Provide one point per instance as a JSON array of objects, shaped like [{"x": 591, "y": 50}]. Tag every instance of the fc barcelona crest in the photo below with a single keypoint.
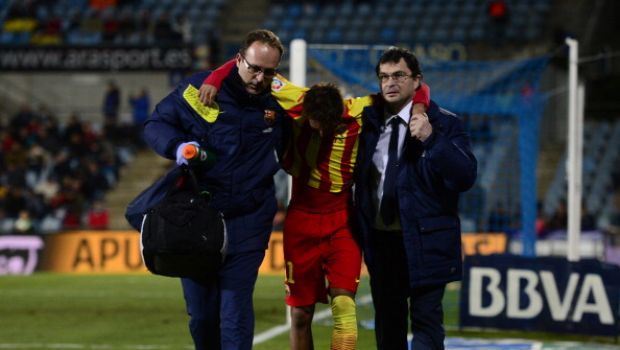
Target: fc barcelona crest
[{"x": 270, "y": 116}]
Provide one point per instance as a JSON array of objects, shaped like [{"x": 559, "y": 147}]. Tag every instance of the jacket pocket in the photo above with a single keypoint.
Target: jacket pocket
[{"x": 440, "y": 239}]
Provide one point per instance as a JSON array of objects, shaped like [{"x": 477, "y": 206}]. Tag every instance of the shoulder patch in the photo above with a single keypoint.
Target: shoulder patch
[
  {"x": 190, "y": 95},
  {"x": 276, "y": 84}
]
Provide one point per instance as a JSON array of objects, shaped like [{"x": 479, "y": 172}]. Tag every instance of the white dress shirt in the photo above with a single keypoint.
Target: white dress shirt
[{"x": 380, "y": 158}]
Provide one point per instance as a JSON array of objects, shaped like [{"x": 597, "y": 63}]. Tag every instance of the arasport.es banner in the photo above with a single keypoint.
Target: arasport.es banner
[{"x": 72, "y": 58}]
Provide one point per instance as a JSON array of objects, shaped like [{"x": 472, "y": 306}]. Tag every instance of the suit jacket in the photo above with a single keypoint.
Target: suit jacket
[{"x": 431, "y": 176}]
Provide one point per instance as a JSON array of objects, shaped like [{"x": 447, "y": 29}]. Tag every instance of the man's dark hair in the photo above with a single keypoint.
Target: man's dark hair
[
  {"x": 323, "y": 103},
  {"x": 394, "y": 54},
  {"x": 265, "y": 36}
]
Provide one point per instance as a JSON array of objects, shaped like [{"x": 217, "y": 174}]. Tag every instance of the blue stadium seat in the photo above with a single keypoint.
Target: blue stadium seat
[
  {"x": 285, "y": 36},
  {"x": 381, "y": 10},
  {"x": 347, "y": 9},
  {"x": 422, "y": 35},
  {"x": 288, "y": 23},
  {"x": 440, "y": 35},
  {"x": 388, "y": 35},
  {"x": 321, "y": 23},
  {"x": 276, "y": 11},
  {"x": 294, "y": 10},
  {"x": 310, "y": 9},
  {"x": 299, "y": 33},
  {"x": 364, "y": 10},
  {"x": 459, "y": 34},
  {"x": 375, "y": 23},
  {"x": 334, "y": 36},
  {"x": 405, "y": 35},
  {"x": 316, "y": 36},
  {"x": 329, "y": 11},
  {"x": 352, "y": 36},
  {"x": 271, "y": 24},
  {"x": 6, "y": 38}
]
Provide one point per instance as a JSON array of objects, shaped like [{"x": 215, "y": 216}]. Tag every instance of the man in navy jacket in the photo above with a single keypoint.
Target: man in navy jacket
[
  {"x": 241, "y": 130},
  {"x": 408, "y": 206}
]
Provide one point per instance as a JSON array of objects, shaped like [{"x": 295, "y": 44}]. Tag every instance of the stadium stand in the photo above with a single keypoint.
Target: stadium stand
[
  {"x": 418, "y": 21},
  {"x": 52, "y": 173},
  {"x": 491, "y": 205},
  {"x": 600, "y": 163},
  {"x": 117, "y": 22}
]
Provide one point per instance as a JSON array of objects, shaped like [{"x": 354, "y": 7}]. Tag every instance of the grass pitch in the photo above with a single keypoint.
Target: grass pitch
[{"x": 56, "y": 311}]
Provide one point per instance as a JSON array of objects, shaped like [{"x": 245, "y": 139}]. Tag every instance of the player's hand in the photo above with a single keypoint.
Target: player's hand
[
  {"x": 180, "y": 158},
  {"x": 207, "y": 94},
  {"x": 420, "y": 127}
]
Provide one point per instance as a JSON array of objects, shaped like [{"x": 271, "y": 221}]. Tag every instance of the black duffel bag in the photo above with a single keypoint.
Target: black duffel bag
[{"x": 182, "y": 236}]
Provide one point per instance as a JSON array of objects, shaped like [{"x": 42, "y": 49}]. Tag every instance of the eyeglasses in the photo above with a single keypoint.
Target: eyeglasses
[
  {"x": 399, "y": 76},
  {"x": 256, "y": 70}
]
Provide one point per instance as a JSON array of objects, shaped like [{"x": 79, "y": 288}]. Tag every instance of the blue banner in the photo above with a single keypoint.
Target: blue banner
[{"x": 540, "y": 294}]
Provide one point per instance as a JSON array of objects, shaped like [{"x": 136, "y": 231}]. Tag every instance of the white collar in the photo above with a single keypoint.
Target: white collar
[{"x": 404, "y": 114}]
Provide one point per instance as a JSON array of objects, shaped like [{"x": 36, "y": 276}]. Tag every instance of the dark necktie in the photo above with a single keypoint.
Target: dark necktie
[{"x": 388, "y": 202}]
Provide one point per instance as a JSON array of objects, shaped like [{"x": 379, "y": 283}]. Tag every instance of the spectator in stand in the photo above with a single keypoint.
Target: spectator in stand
[
  {"x": 163, "y": 31},
  {"x": 498, "y": 14},
  {"x": 111, "y": 27},
  {"x": 34, "y": 154},
  {"x": 588, "y": 222},
  {"x": 94, "y": 182},
  {"x": 141, "y": 108},
  {"x": 14, "y": 202},
  {"x": 98, "y": 217},
  {"x": 23, "y": 223},
  {"x": 101, "y": 4},
  {"x": 111, "y": 103},
  {"x": 183, "y": 26},
  {"x": 126, "y": 27},
  {"x": 144, "y": 28},
  {"x": 559, "y": 219},
  {"x": 611, "y": 222},
  {"x": 214, "y": 41}
]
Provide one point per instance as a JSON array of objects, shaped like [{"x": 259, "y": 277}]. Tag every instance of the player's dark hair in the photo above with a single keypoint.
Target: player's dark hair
[
  {"x": 394, "y": 54},
  {"x": 264, "y": 36},
  {"x": 323, "y": 103}
]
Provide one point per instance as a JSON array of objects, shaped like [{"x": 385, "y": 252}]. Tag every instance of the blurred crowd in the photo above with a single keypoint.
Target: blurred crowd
[
  {"x": 102, "y": 22},
  {"x": 54, "y": 176}
]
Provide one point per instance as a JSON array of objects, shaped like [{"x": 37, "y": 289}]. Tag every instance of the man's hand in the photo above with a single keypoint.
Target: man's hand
[
  {"x": 180, "y": 158},
  {"x": 207, "y": 94},
  {"x": 420, "y": 127}
]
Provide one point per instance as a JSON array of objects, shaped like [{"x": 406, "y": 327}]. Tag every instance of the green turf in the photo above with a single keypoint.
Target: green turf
[{"x": 46, "y": 311}]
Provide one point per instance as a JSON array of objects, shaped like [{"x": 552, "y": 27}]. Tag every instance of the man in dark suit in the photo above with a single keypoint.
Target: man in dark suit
[{"x": 410, "y": 173}]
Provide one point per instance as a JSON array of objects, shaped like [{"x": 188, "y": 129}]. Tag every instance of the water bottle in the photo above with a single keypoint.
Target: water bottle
[{"x": 198, "y": 156}]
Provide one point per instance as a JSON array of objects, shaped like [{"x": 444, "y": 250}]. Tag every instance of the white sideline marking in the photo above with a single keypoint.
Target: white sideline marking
[{"x": 319, "y": 316}]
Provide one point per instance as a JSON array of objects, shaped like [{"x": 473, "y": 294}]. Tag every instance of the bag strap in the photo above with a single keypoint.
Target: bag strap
[
  {"x": 189, "y": 179},
  {"x": 192, "y": 178}
]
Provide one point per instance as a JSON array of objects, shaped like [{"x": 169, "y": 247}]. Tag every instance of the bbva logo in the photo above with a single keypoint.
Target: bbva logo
[{"x": 582, "y": 294}]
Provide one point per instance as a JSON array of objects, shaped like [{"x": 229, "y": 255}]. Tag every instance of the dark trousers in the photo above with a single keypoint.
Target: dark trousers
[
  {"x": 220, "y": 307},
  {"x": 395, "y": 301}
]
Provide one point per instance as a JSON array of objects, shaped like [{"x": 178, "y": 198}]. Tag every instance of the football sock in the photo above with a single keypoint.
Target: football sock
[{"x": 344, "y": 334}]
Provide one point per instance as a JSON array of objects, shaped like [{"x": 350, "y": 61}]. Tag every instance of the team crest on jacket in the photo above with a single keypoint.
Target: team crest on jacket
[{"x": 270, "y": 116}]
